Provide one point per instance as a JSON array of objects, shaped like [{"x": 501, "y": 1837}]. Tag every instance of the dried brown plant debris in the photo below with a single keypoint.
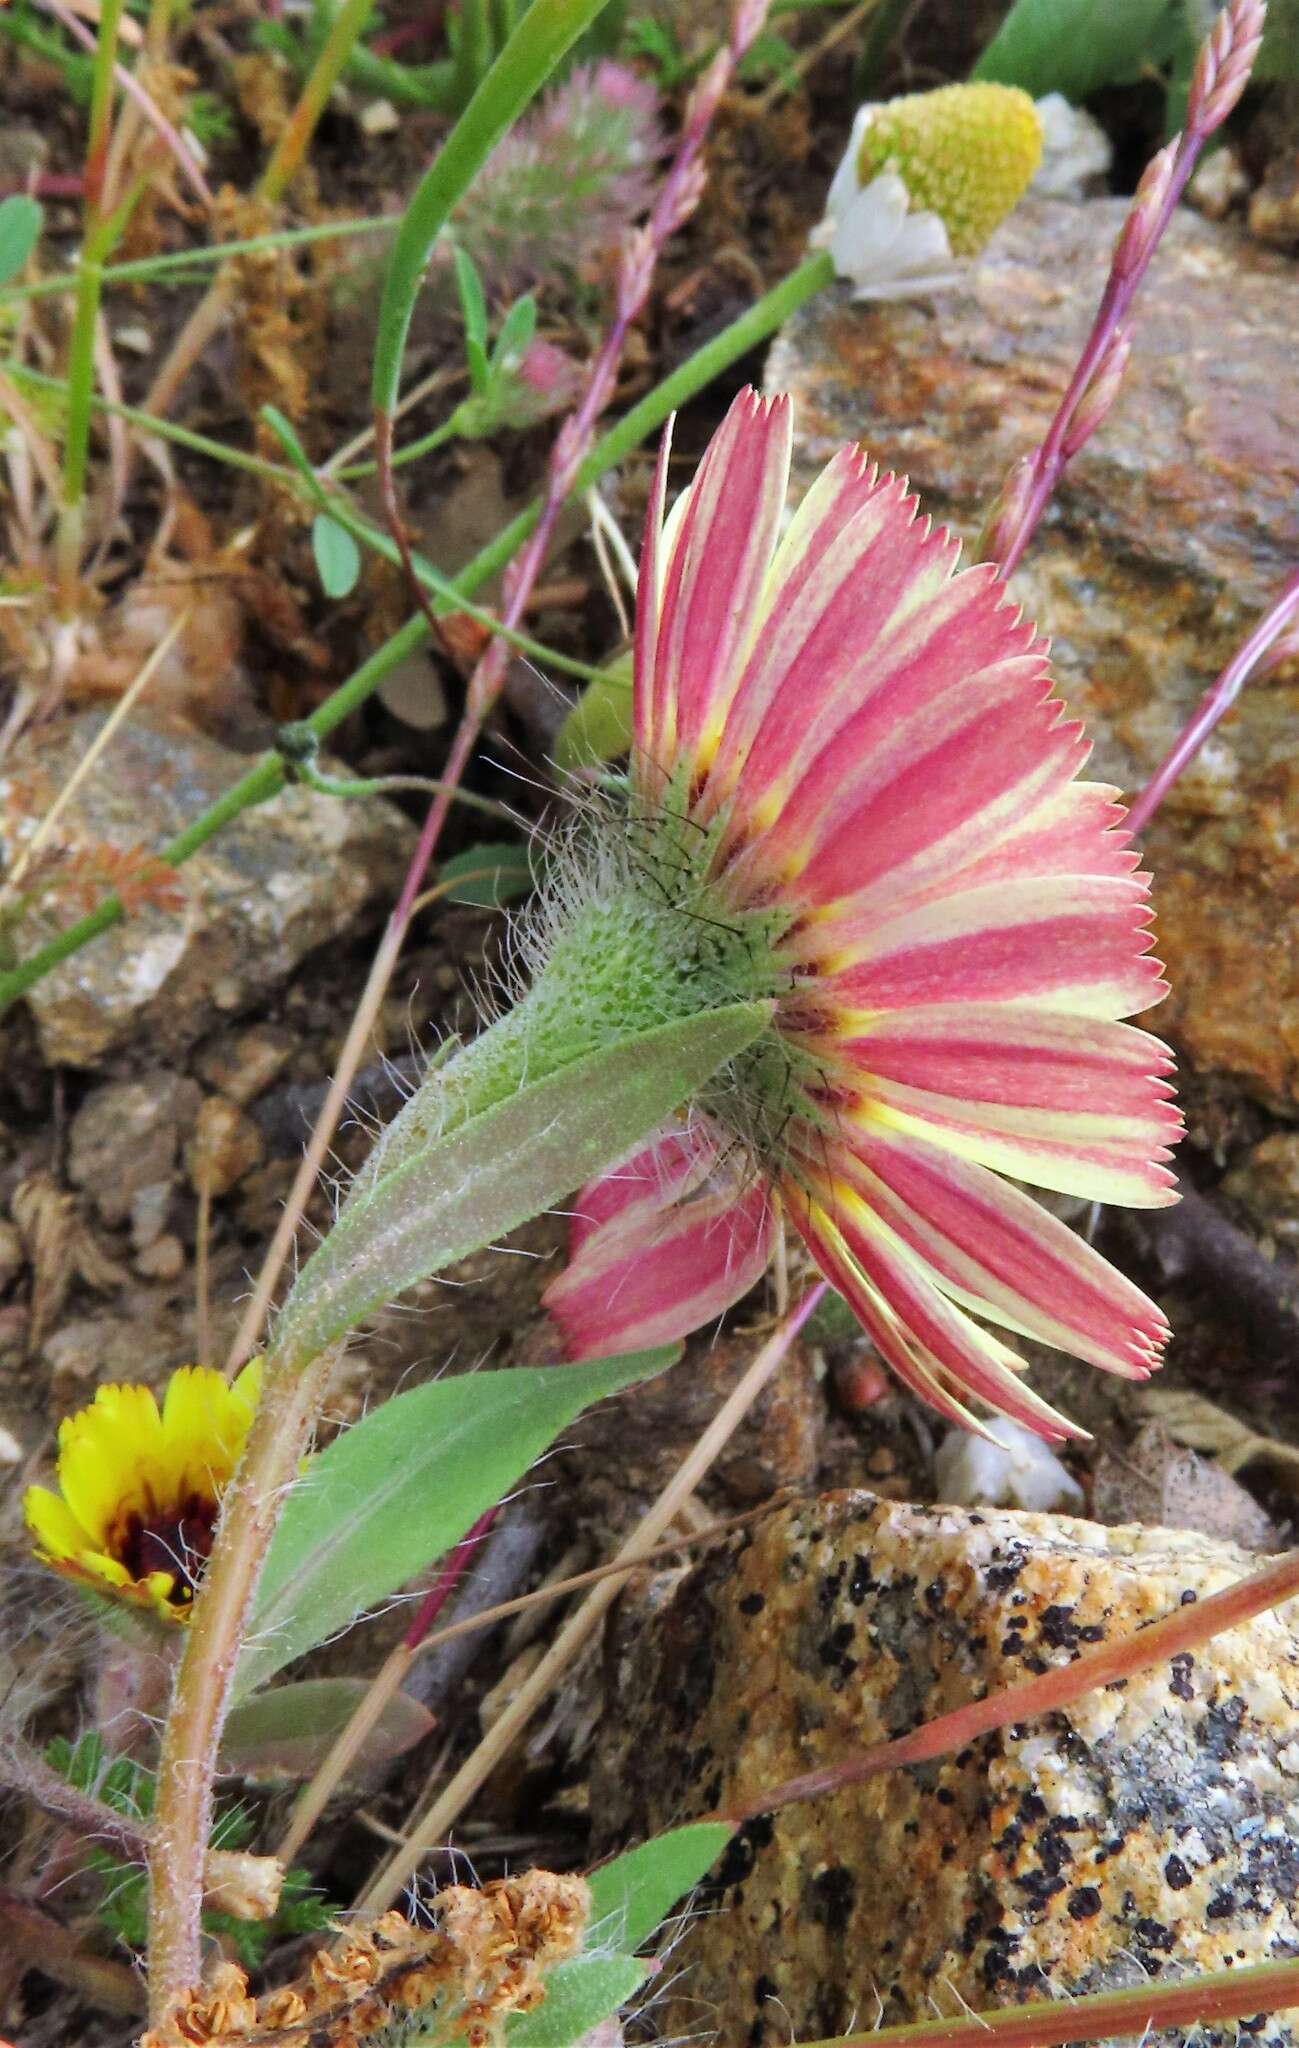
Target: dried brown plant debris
[
  {"x": 280, "y": 328},
  {"x": 483, "y": 1955}
]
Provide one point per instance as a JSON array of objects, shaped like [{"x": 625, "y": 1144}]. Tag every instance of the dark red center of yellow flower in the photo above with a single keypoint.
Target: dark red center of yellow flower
[{"x": 176, "y": 1540}]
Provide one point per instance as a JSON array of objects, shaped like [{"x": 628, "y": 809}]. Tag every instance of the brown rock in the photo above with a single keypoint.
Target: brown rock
[
  {"x": 1168, "y": 537},
  {"x": 279, "y": 880},
  {"x": 1155, "y": 1480},
  {"x": 1147, "y": 1830},
  {"x": 225, "y": 1146},
  {"x": 127, "y": 1136},
  {"x": 1266, "y": 1183}
]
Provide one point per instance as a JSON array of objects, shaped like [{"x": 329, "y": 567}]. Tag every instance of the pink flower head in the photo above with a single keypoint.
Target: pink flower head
[{"x": 851, "y": 750}]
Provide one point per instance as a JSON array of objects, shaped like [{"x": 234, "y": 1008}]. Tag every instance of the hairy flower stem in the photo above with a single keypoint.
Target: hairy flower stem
[
  {"x": 1221, "y": 75},
  {"x": 291, "y": 1393}
]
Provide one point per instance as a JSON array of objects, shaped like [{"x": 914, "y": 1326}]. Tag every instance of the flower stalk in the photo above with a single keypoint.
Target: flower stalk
[
  {"x": 1271, "y": 630},
  {"x": 178, "y": 1847},
  {"x": 1221, "y": 74}
]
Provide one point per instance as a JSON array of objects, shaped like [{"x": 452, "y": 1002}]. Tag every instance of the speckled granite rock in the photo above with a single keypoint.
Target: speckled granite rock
[
  {"x": 1171, "y": 533},
  {"x": 280, "y": 880},
  {"x": 1153, "y": 1828}
]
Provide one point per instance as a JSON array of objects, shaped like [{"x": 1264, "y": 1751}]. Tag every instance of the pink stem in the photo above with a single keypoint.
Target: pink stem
[
  {"x": 1181, "y": 2006},
  {"x": 48, "y": 185},
  {"x": 677, "y": 199},
  {"x": 1221, "y": 74},
  {"x": 678, "y": 196},
  {"x": 1214, "y": 704},
  {"x": 1185, "y": 1628},
  {"x": 447, "y": 1580}
]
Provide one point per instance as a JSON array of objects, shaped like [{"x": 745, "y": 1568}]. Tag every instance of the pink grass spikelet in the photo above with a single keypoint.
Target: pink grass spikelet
[
  {"x": 1096, "y": 401},
  {"x": 850, "y": 765},
  {"x": 1224, "y": 64}
]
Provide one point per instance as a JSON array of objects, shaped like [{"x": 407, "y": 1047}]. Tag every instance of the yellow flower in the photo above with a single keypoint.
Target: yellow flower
[
  {"x": 139, "y": 1491},
  {"x": 964, "y": 152},
  {"x": 924, "y": 181}
]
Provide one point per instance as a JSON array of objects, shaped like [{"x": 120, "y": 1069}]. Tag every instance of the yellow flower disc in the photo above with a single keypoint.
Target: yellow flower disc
[{"x": 964, "y": 152}]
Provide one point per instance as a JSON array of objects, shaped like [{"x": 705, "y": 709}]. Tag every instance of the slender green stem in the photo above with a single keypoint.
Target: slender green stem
[
  {"x": 473, "y": 49},
  {"x": 182, "y": 262},
  {"x": 344, "y": 34},
  {"x": 546, "y": 32},
  {"x": 306, "y": 484},
  {"x": 266, "y": 777},
  {"x": 98, "y": 238}
]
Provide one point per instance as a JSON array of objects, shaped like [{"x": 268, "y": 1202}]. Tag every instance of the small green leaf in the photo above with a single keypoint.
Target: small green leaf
[
  {"x": 1077, "y": 46},
  {"x": 453, "y": 1193},
  {"x": 288, "y": 1731},
  {"x": 500, "y": 871},
  {"x": 474, "y": 306},
  {"x": 631, "y": 1896},
  {"x": 578, "y": 1996},
  {"x": 286, "y": 435},
  {"x": 517, "y": 330},
  {"x": 400, "y": 1488},
  {"x": 599, "y": 726},
  {"x": 21, "y": 221},
  {"x": 338, "y": 558},
  {"x": 480, "y": 375}
]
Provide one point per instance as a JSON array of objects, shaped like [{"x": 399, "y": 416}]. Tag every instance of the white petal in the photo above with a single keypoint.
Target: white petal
[
  {"x": 846, "y": 183},
  {"x": 1075, "y": 149}
]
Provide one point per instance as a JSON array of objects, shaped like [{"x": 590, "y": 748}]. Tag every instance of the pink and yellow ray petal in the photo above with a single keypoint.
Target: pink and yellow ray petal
[
  {"x": 1082, "y": 949},
  {"x": 1000, "y": 1254},
  {"x": 716, "y": 552},
  {"x": 680, "y": 1238}
]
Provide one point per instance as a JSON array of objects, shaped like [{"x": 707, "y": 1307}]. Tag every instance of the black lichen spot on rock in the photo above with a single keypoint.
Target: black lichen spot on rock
[
  {"x": 833, "y": 1653},
  {"x": 828, "y": 1590},
  {"x": 740, "y": 1854},
  {"x": 1085, "y": 1903},
  {"x": 1058, "y": 1627},
  {"x": 862, "y": 1581},
  {"x": 1219, "y": 1731},
  {"x": 1222, "y": 1905},
  {"x": 1039, "y": 1887},
  {"x": 831, "y": 1897},
  {"x": 1154, "y": 1934},
  {"x": 999, "y": 1578},
  {"x": 1180, "y": 1683}
]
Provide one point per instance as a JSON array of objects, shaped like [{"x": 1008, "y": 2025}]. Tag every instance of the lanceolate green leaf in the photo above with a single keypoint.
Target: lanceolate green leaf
[
  {"x": 21, "y": 219},
  {"x": 456, "y": 1193},
  {"x": 578, "y": 1996},
  {"x": 400, "y": 1488},
  {"x": 289, "y": 1730},
  {"x": 547, "y": 31},
  {"x": 634, "y": 1893}
]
